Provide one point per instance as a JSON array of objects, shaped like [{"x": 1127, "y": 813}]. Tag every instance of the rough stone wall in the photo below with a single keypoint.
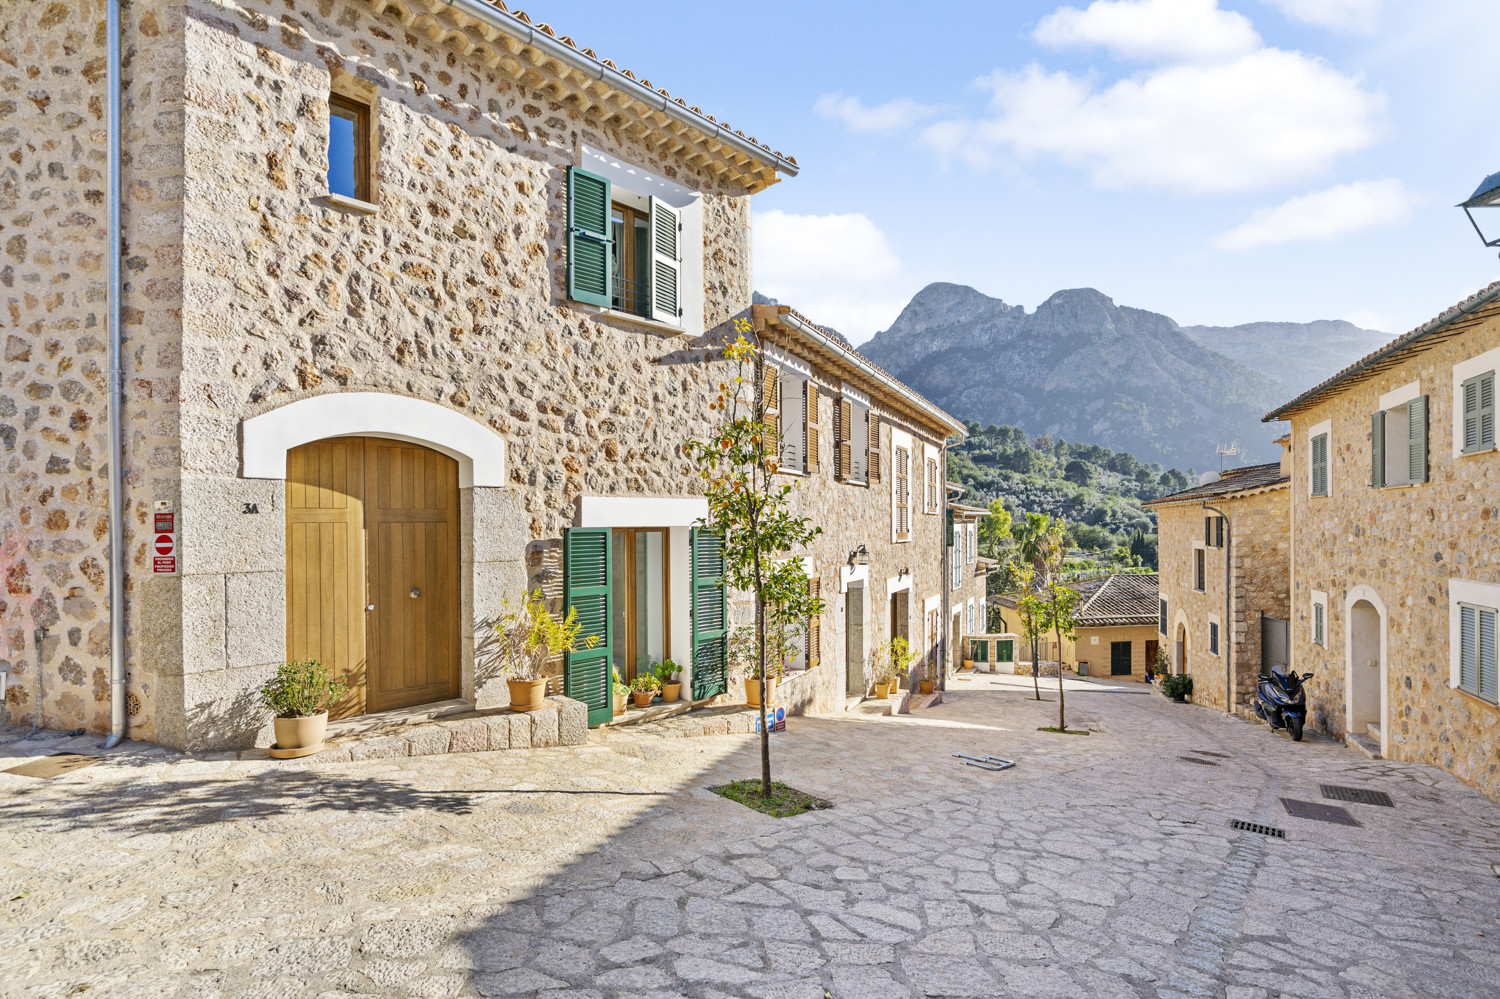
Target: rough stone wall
[
  {"x": 1260, "y": 585},
  {"x": 53, "y": 281},
  {"x": 1406, "y": 544},
  {"x": 1097, "y": 653}
]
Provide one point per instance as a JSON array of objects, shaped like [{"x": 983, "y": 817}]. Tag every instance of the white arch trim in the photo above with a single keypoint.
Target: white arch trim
[
  {"x": 1356, "y": 594},
  {"x": 265, "y": 439},
  {"x": 1180, "y": 622}
]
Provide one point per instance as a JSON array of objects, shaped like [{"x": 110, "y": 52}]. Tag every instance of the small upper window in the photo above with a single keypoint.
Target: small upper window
[
  {"x": 1398, "y": 444},
  {"x": 1200, "y": 570},
  {"x": 349, "y": 148},
  {"x": 1479, "y": 412},
  {"x": 631, "y": 284},
  {"x": 1319, "y": 469},
  {"x": 1213, "y": 637},
  {"x": 1477, "y": 655}
]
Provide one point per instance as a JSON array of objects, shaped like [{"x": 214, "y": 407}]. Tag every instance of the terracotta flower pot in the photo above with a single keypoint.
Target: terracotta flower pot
[
  {"x": 619, "y": 705},
  {"x": 527, "y": 695},
  {"x": 925, "y": 686},
  {"x": 670, "y": 692},
  {"x": 882, "y": 691},
  {"x": 303, "y": 736},
  {"x": 752, "y": 692},
  {"x": 642, "y": 698},
  {"x": 968, "y": 664}
]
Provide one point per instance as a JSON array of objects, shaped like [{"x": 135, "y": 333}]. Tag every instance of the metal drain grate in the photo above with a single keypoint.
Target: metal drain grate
[
  {"x": 1194, "y": 759},
  {"x": 1210, "y": 752},
  {"x": 1257, "y": 828},
  {"x": 1318, "y": 812},
  {"x": 1358, "y": 795}
]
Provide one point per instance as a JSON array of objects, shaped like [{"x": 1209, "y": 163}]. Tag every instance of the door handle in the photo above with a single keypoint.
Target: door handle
[
  {"x": 415, "y": 593},
  {"x": 370, "y": 608}
]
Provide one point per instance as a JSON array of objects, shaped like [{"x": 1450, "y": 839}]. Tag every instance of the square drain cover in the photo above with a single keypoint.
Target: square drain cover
[
  {"x": 1256, "y": 827},
  {"x": 1318, "y": 812},
  {"x": 1194, "y": 759},
  {"x": 54, "y": 765},
  {"x": 1358, "y": 795}
]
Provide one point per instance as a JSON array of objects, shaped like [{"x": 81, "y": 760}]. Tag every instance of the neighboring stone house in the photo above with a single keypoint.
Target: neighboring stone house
[
  {"x": 968, "y": 608},
  {"x": 420, "y": 303},
  {"x": 1117, "y": 625},
  {"x": 1395, "y": 536},
  {"x": 1239, "y": 516}
]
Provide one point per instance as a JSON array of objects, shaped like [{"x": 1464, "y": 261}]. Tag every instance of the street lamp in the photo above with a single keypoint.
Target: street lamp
[{"x": 1486, "y": 195}]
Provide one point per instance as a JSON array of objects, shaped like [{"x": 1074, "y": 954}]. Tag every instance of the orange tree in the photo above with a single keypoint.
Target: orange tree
[{"x": 749, "y": 508}]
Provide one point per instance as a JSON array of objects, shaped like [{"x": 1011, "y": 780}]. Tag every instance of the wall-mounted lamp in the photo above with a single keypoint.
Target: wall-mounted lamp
[
  {"x": 859, "y": 556},
  {"x": 904, "y": 571}
]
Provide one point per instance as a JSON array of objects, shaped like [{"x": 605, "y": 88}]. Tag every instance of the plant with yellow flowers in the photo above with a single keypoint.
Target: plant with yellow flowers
[{"x": 748, "y": 506}]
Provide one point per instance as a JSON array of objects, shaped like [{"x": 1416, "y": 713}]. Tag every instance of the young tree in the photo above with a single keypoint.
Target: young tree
[
  {"x": 1060, "y": 603},
  {"x": 1029, "y": 608},
  {"x": 748, "y": 507}
]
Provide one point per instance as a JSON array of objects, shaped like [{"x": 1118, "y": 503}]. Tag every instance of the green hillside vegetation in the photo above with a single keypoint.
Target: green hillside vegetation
[{"x": 1096, "y": 490}]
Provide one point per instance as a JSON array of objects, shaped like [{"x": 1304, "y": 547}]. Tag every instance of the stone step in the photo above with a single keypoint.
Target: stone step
[
  {"x": 873, "y": 707},
  {"x": 1363, "y": 743},
  {"x": 1373, "y": 730}
]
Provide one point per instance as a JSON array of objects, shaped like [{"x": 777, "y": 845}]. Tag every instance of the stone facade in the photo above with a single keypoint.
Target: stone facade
[
  {"x": 1392, "y": 560},
  {"x": 249, "y": 289},
  {"x": 1259, "y": 546}
]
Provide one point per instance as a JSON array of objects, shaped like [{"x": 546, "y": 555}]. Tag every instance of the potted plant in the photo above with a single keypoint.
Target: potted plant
[
  {"x": 530, "y": 639},
  {"x": 890, "y": 661},
  {"x": 619, "y": 690},
  {"x": 1177, "y": 686},
  {"x": 743, "y": 663},
  {"x": 671, "y": 680},
  {"x": 299, "y": 696},
  {"x": 643, "y": 689},
  {"x": 1160, "y": 666},
  {"x": 927, "y": 677}
]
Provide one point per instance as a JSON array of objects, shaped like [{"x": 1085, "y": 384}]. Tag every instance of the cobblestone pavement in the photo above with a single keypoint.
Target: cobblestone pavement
[{"x": 1100, "y": 866}]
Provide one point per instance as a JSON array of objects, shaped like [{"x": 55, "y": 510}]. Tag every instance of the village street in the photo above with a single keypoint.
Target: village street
[{"x": 1099, "y": 866}]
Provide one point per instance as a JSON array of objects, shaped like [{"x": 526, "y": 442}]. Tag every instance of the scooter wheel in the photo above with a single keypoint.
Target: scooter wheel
[{"x": 1294, "y": 726}]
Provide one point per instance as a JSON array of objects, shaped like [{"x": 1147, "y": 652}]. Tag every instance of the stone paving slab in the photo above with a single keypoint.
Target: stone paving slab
[{"x": 1099, "y": 866}]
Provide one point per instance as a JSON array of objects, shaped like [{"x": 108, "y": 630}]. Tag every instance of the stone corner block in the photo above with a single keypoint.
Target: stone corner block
[
  {"x": 572, "y": 721},
  {"x": 468, "y": 736},
  {"x": 498, "y": 729},
  {"x": 544, "y": 726},
  {"x": 520, "y": 730}
]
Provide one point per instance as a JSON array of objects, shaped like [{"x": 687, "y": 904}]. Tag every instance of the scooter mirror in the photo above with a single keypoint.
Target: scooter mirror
[
  {"x": 1265, "y": 677},
  {"x": 1307, "y": 676}
]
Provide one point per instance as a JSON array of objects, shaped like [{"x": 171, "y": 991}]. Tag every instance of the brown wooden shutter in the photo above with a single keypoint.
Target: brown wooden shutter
[
  {"x": 873, "y": 446},
  {"x": 812, "y": 428},
  {"x": 843, "y": 455},
  {"x": 770, "y": 388},
  {"x": 903, "y": 494},
  {"x": 814, "y": 626}
]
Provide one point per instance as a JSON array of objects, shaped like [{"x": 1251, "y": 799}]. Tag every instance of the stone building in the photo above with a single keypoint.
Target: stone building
[
  {"x": 1395, "y": 520},
  {"x": 1117, "y": 626},
  {"x": 419, "y": 302},
  {"x": 968, "y": 605},
  {"x": 1239, "y": 517}
]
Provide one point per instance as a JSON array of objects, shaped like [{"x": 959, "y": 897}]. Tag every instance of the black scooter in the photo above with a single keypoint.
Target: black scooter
[{"x": 1281, "y": 701}]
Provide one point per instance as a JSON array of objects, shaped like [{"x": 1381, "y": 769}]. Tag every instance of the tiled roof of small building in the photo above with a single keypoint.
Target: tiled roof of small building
[
  {"x": 1231, "y": 481},
  {"x": 1125, "y": 598},
  {"x": 1376, "y": 361}
]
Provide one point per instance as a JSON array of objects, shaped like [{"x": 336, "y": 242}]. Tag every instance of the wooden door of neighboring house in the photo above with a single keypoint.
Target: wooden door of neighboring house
[
  {"x": 372, "y": 569},
  {"x": 1119, "y": 658},
  {"x": 1152, "y": 646}
]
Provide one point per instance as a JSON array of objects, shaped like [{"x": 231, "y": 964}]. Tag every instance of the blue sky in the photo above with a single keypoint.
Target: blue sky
[{"x": 1221, "y": 161}]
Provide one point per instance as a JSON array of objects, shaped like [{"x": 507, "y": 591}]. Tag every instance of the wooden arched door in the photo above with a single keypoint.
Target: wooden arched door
[{"x": 372, "y": 555}]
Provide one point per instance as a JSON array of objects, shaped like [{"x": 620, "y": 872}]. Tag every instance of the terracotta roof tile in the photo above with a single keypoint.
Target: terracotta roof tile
[
  {"x": 1125, "y": 598},
  {"x": 1238, "y": 480}
]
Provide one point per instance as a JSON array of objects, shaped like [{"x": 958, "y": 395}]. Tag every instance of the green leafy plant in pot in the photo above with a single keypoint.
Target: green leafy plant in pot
[
  {"x": 299, "y": 696},
  {"x": 620, "y": 691},
  {"x": 643, "y": 689},
  {"x": 529, "y": 640},
  {"x": 891, "y": 661},
  {"x": 670, "y": 675},
  {"x": 1177, "y": 686}
]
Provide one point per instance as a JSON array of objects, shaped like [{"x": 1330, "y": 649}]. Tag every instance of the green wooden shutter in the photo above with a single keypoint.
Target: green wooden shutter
[
  {"x": 1005, "y": 650},
  {"x": 1468, "y": 646},
  {"x": 586, "y": 572},
  {"x": 950, "y": 527},
  {"x": 1487, "y": 663},
  {"x": 710, "y": 616},
  {"x": 979, "y": 650},
  {"x": 1320, "y": 465},
  {"x": 1416, "y": 440},
  {"x": 1479, "y": 412},
  {"x": 1377, "y": 449},
  {"x": 590, "y": 247},
  {"x": 666, "y": 263},
  {"x": 1318, "y": 624}
]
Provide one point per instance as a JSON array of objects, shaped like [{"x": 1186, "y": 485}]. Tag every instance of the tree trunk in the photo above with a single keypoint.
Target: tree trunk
[
  {"x": 1062, "y": 724},
  {"x": 765, "y": 731},
  {"x": 1036, "y": 670}
]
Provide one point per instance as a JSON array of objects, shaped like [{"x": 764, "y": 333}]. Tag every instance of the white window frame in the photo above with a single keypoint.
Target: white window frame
[
  {"x": 973, "y": 543},
  {"x": 1213, "y": 624},
  {"x": 1462, "y": 372},
  {"x": 1319, "y": 600},
  {"x": 1326, "y": 427},
  {"x": 1473, "y": 594}
]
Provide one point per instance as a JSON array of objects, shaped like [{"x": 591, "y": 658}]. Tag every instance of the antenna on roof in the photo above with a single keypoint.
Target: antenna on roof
[{"x": 1225, "y": 452}]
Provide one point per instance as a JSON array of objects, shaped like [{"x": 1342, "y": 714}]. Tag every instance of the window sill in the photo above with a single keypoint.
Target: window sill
[
  {"x": 1318, "y": 495},
  {"x": 855, "y": 482},
  {"x": 783, "y": 470},
  {"x": 1401, "y": 485},
  {"x": 1475, "y": 698},
  {"x": 1473, "y": 454},
  {"x": 629, "y": 317},
  {"x": 354, "y": 206}
]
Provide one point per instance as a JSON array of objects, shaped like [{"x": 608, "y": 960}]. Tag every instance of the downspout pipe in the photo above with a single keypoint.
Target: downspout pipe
[
  {"x": 116, "y": 428},
  {"x": 1226, "y": 644}
]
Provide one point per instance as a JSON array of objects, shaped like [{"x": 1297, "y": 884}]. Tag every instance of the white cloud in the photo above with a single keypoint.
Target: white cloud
[
  {"x": 838, "y": 270},
  {"x": 1264, "y": 118},
  {"x": 1324, "y": 215},
  {"x": 1151, "y": 29},
  {"x": 1370, "y": 319},
  {"x": 1354, "y": 15},
  {"x": 892, "y": 116}
]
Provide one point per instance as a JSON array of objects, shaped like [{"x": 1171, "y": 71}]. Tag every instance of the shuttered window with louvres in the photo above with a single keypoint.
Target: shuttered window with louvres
[
  {"x": 586, "y": 589},
  {"x": 903, "y": 494},
  {"x": 814, "y": 626},
  {"x": 872, "y": 472},
  {"x": 710, "y": 616},
  {"x": 1416, "y": 440},
  {"x": 1477, "y": 651},
  {"x": 666, "y": 263},
  {"x": 1377, "y": 449},
  {"x": 1479, "y": 412},
  {"x": 1320, "y": 465},
  {"x": 589, "y": 246},
  {"x": 811, "y": 443}
]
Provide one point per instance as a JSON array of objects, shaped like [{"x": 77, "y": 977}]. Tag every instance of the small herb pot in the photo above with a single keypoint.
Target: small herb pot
[
  {"x": 642, "y": 698},
  {"x": 882, "y": 691},
  {"x": 670, "y": 692}
]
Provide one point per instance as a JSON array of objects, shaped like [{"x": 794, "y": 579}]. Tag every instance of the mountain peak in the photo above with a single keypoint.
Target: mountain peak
[{"x": 945, "y": 304}]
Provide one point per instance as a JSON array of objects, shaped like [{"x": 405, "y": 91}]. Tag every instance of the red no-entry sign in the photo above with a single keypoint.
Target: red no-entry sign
[{"x": 164, "y": 540}]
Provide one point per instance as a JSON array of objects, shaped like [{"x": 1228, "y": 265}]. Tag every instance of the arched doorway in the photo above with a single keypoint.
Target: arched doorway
[
  {"x": 372, "y": 564},
  {"x": 1180, "y": 652},
  {"x": 1364, "y": 668}
]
